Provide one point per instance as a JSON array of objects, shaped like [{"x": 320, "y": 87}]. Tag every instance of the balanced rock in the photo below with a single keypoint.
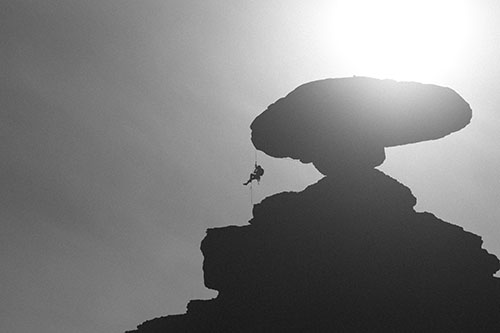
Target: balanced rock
[
  {"x": 346, "y": 123},
  {"x": 349, "y": 253}
]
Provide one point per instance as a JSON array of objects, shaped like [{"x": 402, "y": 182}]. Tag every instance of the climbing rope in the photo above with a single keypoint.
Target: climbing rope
[{"x": 251, "y": 194}]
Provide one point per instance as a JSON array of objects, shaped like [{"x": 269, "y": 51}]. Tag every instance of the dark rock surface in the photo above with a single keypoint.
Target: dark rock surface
[
  {"x": 346, "y": 123},
  {"x": 348, "y": 253}
]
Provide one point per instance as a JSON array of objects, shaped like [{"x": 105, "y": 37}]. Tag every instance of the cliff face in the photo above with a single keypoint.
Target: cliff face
[{"x": 348, "y": 253}]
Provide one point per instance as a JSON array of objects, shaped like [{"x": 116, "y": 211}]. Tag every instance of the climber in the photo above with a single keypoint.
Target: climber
[{"x": 256, "y": 174}]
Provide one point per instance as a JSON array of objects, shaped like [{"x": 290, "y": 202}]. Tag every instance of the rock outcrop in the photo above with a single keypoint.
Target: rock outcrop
[{"x": 349, "y": 253}]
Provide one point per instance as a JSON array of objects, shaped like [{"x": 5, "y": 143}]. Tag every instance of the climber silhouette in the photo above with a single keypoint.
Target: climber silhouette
[{"x": 255, "y": 175}]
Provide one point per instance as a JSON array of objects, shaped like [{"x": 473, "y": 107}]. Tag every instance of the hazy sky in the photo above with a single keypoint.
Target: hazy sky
[{"x": 125, "y": 134}]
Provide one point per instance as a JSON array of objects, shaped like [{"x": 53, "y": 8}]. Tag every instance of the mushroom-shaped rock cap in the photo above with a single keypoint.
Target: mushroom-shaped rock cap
[{"x": 341, "y": 124}]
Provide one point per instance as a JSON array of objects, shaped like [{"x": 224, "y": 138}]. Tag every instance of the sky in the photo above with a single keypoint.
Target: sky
[{"x": 125, "y": 135}]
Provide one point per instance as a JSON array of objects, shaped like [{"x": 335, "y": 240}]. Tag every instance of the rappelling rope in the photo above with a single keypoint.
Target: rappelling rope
[{"x": 251, "y": 194}]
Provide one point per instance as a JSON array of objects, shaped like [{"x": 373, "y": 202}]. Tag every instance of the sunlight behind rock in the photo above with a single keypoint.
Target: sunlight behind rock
[{"x": 401, "y": 39}]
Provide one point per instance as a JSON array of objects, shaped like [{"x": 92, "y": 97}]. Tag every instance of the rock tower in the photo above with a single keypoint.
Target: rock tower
[{"x": 349, "y": 253}]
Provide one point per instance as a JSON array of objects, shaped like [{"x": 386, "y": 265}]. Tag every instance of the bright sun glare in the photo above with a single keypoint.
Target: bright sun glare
[{"x": 401, "y": 39}]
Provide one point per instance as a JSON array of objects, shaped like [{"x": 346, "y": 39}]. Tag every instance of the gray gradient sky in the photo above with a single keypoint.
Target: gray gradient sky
[{"x": 125, "y": 134}]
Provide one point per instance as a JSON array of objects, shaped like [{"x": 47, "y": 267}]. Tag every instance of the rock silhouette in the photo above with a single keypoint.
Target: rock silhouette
[{"x": 349, "y": 253}]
